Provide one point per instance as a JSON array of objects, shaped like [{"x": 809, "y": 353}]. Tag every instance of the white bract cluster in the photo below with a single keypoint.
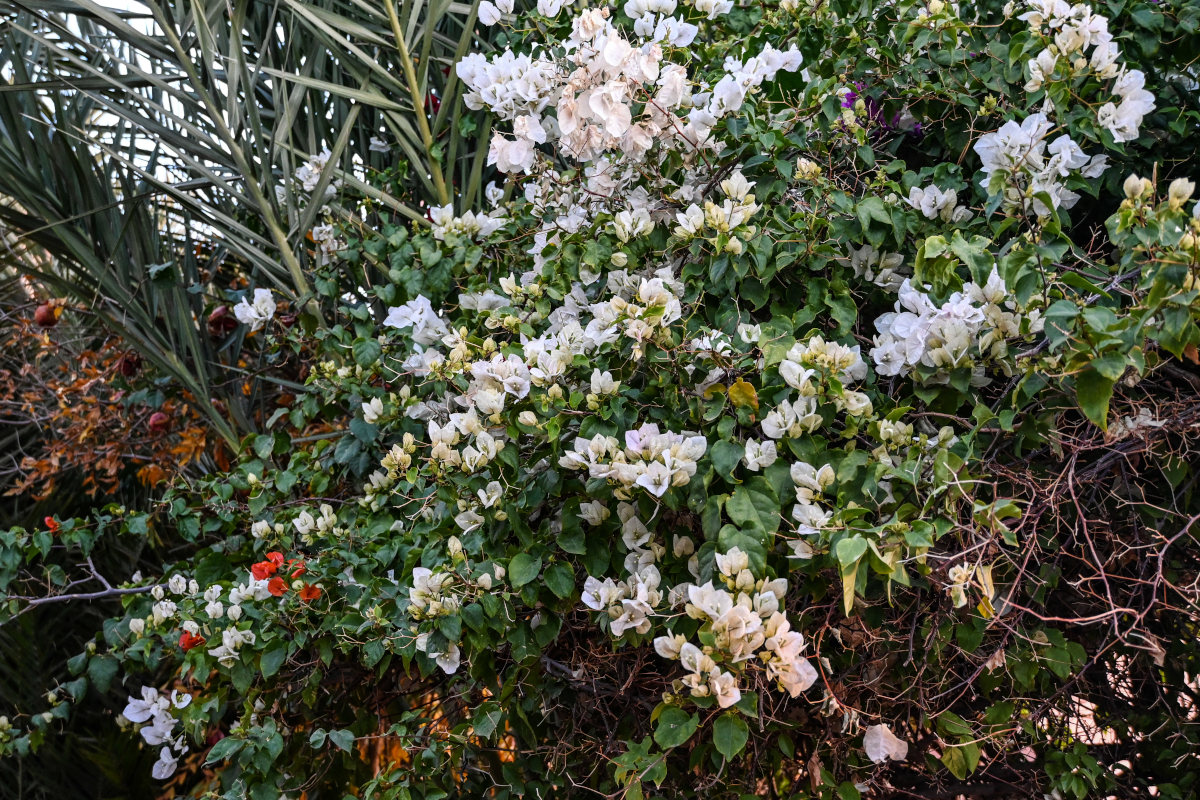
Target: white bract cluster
[
  {"x": 935, "y": 203},
  {"x": 608, "y": 101},
  {"x": 885, "y": 270},
  {"x": 970, "y": 326},
  {"x": 650, "y": 460},
  {"x": 155, "y": 709},
  {"x": 1069, "y": 32},
  {"x": 1018, "y": 162},
  {"x": 1025, "y": 168},
  {"x": 808, "y": 368},
  {"x": 256, "y": 313},
  {"x": 746, "y": 625},
  {"x": 629, "y": 604},
  {"x": 470, "y": 225}
]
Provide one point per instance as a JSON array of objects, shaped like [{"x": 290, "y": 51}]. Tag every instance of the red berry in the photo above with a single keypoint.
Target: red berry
[{"x": 45, "y": 316}]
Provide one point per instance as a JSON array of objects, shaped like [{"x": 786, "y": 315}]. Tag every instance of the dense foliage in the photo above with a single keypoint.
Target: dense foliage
[{"x": 806, "y": 412}]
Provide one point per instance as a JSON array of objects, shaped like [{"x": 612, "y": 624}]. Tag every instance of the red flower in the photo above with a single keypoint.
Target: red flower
[
  {"x": 277, "y": 586},
  {"x": 300, "y": 569},
  {"x": 51, "y": 524},
  {"x": 310, "y": 592},
  {"x": 265, "y": 569},
  {"x": 187, "y": 641}
]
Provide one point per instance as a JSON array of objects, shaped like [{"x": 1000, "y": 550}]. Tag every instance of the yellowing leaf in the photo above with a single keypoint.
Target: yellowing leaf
[{"x": 743, "y": 395}]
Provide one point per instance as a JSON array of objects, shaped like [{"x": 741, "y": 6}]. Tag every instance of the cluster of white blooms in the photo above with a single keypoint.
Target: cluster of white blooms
[
  {"x": 965, "y": 575},
  {"x": 327, "y": 242},
  {"x": 651, "y": 460},
  {"x": 606, "y": 100},
  {"x": 309, "y": 526},
  {"x": 308, "y": 175},
  {"x": 1069, "y": 32},
  {"x": 728, "y": 219},
  {"x": 1016, "y": 164},
  {"x": 746, "y": 625},
  {"x": 155, "y": 709},
  {"x": 935, "y": 203},
  {"x": 473, "y": 457},
  {"x": 232, "y": 639},
  {"x": 807, "y": 368},
  {"x": 428, "y": 329},
  {"x": 656, "y": 308},
  {"x": 470, "y": 225},
  {"x": 428, "y": 596},
  {"x": 885, "y": 270},
  {"x": 971, "y": 324},
  {"x": 810, "y": 516},
  {"x": 257, "y": 313},
  {"x": 628, "y": 603}
]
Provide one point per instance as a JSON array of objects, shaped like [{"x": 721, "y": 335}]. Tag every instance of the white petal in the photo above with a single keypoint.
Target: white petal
[{"x": 881, "y": 744}]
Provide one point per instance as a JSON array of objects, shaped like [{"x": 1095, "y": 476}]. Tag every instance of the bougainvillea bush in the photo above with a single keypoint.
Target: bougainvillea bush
[{"x": 807, "y": 412}]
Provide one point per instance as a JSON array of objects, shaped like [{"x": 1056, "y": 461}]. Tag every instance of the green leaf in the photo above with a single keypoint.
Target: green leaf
[
  {"x": 272, "y": 660},
  {"x": 223, "y": 749},
  {"x": 561, "y": 579},
  {"x": 961, "y": 760},
  {"x": 264, "y": 444},
  {"x": 367, "y": 352},
  {"x": 725, "y": 457},
  {"x": 1111, "y": 366},
  {"x": 753, "y": 506},
  {"x": 675, "y": 727},
  {"x": 523, "y": 568},
  {"x": 1093, "y": 391},
  {"x": 343, "y": 739},
  {"x": 730, "y": 734},
  {"x": 487, "y": 719},
  {"x": 850, "y": 550},
  {"x": 102, "y": 669}
]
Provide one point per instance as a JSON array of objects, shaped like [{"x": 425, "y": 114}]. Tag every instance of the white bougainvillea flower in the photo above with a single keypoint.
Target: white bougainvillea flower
[
  {"x": 257, "y": 313},
  {"x": 165, "y": 766},
  {"x": 883, "y": 745},
  {"x": 141, "y": 709}
]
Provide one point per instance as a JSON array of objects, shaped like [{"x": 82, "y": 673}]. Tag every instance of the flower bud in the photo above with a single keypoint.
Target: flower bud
[
  {"x": 807, "y": 170},
  {"x": 137, "y": 626},
  {"x": 234, "y": 613},
  {"x": 1179, "y": 192},
  {"x": 454, "y": 545},
  {"x": 484, "y": 581},
  {"x": 527, "y": 418},
  {"x": 1134, "y": 186}
]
